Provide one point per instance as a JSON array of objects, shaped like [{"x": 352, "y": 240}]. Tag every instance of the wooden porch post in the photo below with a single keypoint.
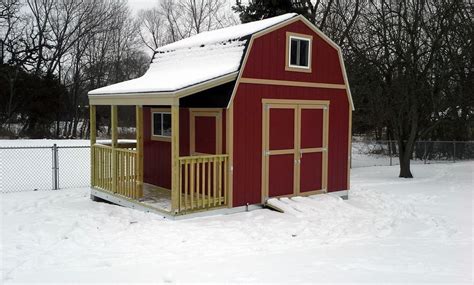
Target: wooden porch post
[
  {"x": 139, "y": 161},
  {"x": 230, "y": 151},
  {"x": 92, "y": 136},
  {"x": 175, "y": 158},
  {"x": 114, "y": 123}
]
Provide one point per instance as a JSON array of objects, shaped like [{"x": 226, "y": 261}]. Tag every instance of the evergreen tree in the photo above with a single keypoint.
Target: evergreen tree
[{"x": 262, "y": 9}]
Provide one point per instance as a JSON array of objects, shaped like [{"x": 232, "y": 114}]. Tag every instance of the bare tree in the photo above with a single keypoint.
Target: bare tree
[
  {"x": 11, "y": 52},
  {"x": 174, "y": 20},
  {"x": 183, "y": 18},
  {"x": 102, "y": 57},
  {"x": 403, "y": 41},
  {"x": 153, "y": 29},
  {"x": 202, "y": 15}
]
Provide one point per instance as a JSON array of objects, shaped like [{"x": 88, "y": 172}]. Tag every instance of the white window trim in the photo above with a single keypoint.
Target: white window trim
[
  {"x": 153, "y": 124},
  {"x": 309, "y": 52}
]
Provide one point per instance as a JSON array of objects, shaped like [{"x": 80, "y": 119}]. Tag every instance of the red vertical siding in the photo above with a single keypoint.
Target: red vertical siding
[
  {"x": 157, "y": 154},
  {"x": 267, "y": 58},
  {"x": 248, "y": 136},
  {"x": 267, "y": 61}
]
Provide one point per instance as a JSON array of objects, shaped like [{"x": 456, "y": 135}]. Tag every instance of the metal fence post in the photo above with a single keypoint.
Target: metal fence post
[
  {"x": 426, "y": 152},
  {"x": 55, "y": 168},
  {"x": 390, "y": 151},
  {"x": 454, "y": 151}
]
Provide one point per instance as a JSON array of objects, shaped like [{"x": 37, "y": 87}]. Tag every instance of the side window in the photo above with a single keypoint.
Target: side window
[
  {"x": 161, "y": 125},
  {"x": 298, "y": 52}
]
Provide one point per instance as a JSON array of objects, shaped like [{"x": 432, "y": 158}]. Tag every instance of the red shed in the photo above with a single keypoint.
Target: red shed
[{"x": 230, "y": 118}]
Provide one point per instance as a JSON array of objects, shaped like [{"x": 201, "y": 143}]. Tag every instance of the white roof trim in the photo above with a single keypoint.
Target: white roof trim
[{"x": 160, "y": 98}]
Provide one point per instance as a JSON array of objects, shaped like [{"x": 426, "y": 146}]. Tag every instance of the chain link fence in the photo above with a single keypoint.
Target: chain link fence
[
  {"x": 385, "y": 153},
  {"x": 26, "y": 168}
]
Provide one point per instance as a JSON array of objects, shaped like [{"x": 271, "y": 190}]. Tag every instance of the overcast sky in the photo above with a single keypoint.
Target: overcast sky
[{"x": 137, "y": 5}]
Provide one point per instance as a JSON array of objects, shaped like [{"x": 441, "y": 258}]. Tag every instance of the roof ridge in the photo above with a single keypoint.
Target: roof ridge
[{"x": 226, "y": 34}]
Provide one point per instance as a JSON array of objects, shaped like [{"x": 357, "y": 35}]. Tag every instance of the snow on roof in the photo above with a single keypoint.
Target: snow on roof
[
  {"x": 225, "y": 34},
  {"x": 194, "y": 60},
  {"x": 182, "y": 68}
]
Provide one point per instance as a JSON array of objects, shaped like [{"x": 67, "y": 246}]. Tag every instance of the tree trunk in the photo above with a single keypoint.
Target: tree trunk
[
  {"x": 74, "y": 126},
  {"x": 85, "y": 129},
  {"x": 405, "y": 171},
  {"x": 405, "y": 149},
  {"x": 58, "y": 122}
]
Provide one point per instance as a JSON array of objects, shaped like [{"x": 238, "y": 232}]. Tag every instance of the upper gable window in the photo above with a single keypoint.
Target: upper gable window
[{"x": 298, "y": 52}]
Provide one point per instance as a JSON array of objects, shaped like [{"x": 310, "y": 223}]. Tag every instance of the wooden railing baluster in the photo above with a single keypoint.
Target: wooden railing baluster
[
  {"x": 126, "y": 172},
  {"x": 205, "y": 182}
]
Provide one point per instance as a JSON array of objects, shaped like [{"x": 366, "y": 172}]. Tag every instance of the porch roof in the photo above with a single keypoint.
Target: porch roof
[{"x": 213, "y": 56}]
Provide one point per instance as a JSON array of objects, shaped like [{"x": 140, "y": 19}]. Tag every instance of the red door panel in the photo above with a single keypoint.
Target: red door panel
[
  {"x": 311, "y": 148},
  {"x": 311, "y": 172},
  {"x": 311, "y": 128},
  {"x": 281, "y": 137},
  {"x": 280, "y": 175},
  {"x": 205, "y": 134},
  {"x": 282, "y": 126}
]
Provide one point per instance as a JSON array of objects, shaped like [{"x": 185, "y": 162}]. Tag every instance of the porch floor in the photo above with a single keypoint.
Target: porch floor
[{"x": 156, "y": 197}]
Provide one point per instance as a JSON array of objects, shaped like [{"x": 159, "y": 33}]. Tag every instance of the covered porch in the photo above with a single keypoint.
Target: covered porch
[{"x": 199, "y": 181}]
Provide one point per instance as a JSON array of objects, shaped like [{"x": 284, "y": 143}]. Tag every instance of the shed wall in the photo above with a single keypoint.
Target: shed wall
[
  {"x": 157, "y": 154},
  {"x": 266, "y": 60}
]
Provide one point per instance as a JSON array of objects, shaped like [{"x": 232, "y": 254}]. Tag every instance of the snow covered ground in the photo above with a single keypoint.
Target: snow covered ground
[{"x": 390, "y": 230}]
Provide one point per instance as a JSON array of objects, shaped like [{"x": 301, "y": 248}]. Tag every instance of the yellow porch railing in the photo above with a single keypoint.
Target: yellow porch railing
[
  {"x": 115, "y": 170},
  {"x": 102, "y": 167},
  {"x": 202, "y": 179},
  {"x": 126, "y": 172},
  {"x": 202, "y": 182}
]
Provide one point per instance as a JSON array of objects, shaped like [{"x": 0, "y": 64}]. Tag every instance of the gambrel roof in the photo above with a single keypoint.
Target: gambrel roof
[
  {"x": 208, "y": 56},
  {"x": 194, "y": 66}
]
